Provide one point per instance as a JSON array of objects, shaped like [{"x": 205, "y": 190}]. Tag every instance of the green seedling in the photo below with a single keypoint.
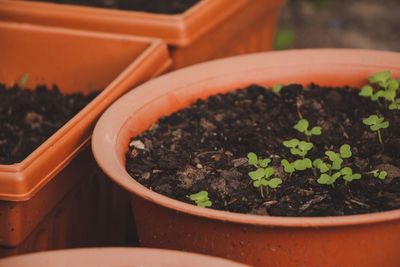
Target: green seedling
[
  {"x": 330, "y": 172},
  {"x": 376, "y": 123},
  {"x": 387, "y": 89},
  {"x": 348, "y": 174},
  {"x": 302, "y": 126},
  {"x": 263, "y": 175},
  {"x": 297, "y": 147},
  {"x": 201, "y": 199},
  {"x": 379, "y": 174},
  {"x": 23, "y": 81},
  {"x": 277, "y": 88}
]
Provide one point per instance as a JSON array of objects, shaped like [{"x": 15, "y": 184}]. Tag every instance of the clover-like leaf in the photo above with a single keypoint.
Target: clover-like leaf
[
  {"x": 371, "y": 120},
  {"x": 257, "y": 183},
  {"x": 302, "y": 164},
  {"x": 380, "y": 77},
  {"x": 301, "y": 125},
  {"x": 366, "y": 91},
  {"x": 305, "y": 146},
  {"x": 332, "y": 155},
  {"x": 345, "y": 151},
  {"x": 287, "y": 166},
  {"x": 257, "y": 174},
  {"x": 200, "y": 196},
  {"x": 346, "y": 171},
  {"x": 275, "y": 182},
  {"x": 269, "y": 172},
  {"x": 252, "y": 158},
  {"x": 291, "y": 143},
  {"x": 298, "y": 152},
  {"x": 324, "y": 179},
  {"x": 264, "y": 163},
  {"x": 316, "y": 130}
]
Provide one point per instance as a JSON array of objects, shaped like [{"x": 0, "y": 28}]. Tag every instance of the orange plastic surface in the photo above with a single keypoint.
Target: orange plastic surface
[
  {"x": 77, "y": 61},
  {"x": 117, "y": 257},
  {"x": 368, "y": 240},
  {"x": 210, "y": 29}
]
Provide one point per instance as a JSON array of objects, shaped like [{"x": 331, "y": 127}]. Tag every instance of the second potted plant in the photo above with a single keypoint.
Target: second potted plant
[{"x": 267, "y": 236}]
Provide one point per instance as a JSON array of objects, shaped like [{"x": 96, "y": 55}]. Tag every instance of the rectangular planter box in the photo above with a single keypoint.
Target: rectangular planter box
[
  {"x": 211, "y": 29},
  {"x": 57, "y": 197}
]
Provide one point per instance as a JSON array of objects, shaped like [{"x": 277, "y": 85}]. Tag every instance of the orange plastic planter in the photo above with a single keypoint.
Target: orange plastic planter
[
  {"x": 52, "y": 199},
  {"x": 359, "y": 240},
  {"x": 211, "y": 29},
  {"x": 135, "y": 257}
]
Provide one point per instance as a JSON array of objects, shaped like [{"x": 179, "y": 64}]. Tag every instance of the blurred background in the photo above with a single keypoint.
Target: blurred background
[{"x": 373, "y": 24}]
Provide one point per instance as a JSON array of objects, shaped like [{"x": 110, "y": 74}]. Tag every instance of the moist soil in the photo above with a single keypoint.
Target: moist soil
[
  {"x": 151, "y": 6},
  {"x": 204, "y": 147},
  {"x": 29, "y": 117}
]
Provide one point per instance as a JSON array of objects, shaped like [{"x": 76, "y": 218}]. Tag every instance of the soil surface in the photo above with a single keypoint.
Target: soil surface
[
  {"x": 29, "y": 117},
  {"x": 152, "y": 6},
  {"x": 204, "y": 147}
]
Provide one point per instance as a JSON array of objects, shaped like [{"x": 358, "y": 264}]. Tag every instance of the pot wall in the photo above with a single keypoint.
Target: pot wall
[
  {"x": 37, "y": 195},
  {"x": 357, "y": 240},
  {"x": 209, "y": 30}
]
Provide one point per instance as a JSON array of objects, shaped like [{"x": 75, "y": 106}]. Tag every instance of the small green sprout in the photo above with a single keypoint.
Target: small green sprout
[
  {"x": 302, "y": 126},
  {"x": 262, "y": 177},
  {"x": 277, "y": 88},
  {"x": 376, "y": 123},
  {"x": 201, "y": 199},
  {"x": 328, "y": 179},
  {"x": 379, "y": 174},
  {"x": 348, "y": 174},
  {"x": 297, "y": 147},
  {"x": 330, "y": 172},
  {"x": 387, "y": 89},
  {"x": 23, "y": 80}
]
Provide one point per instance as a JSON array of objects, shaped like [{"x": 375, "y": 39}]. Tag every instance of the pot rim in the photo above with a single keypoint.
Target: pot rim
[{"x": 229, "y": 73}]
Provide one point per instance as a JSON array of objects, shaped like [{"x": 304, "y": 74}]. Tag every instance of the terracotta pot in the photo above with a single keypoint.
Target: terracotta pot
[
  {"x": 357, "y": 240},
  {"x": 52, "y": 199},
  {"x": 211, "y": 29},
  {"x": 134, "y": 257}
]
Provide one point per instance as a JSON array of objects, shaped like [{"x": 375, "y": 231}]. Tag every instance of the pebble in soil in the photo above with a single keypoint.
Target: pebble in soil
[
  {"x": 204, "y": 147},
  {"x": 29, "y": 117}
]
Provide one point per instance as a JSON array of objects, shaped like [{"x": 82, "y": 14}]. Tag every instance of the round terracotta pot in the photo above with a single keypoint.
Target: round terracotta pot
[
  {"x": 109, "y": 257},
  {"x": 357, "y": 240}
]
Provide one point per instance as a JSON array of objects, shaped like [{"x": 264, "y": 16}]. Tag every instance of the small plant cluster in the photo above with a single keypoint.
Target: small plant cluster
[
  {"x": 330, "y": 168},
  {"x": 382, "y": 86}
]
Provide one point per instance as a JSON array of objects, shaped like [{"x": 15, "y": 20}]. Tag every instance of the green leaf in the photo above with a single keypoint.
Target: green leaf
[
  {"x": 287, "y": 166},
  {"x": 277, "y": 88},
  {"x": 257, "y": 183},
  {"x": 305, "y": 146},
  {"x": 200, "y": 196},
  {"x": 323, "y": 167},
  {"x": 324, "y": 179},
  {"x": 291, "y": 143},
  {"x": 393, "y": 85},
  {"x": 317, "y": 163},
  {"x": 298, "y": 152},
  {"x": 252, "y": 158},
  {"x": 308, "y": 163},
  {"x": 377, "y": 95},
  {"x": 300, "y": 165},
  {"x": 380, "y": 77},
  {"x": 269, "y": 172},
  {"x": 332, "y": 155},
  {"x": 316, "y": 130},
  {"x": 366, "y": 91},
  {"x": 345, "y": 151},
  {"x": 257, "y": 174},
  {"x": 384, "y": 125},
  {"x": 346, "y": 171},
  {"x": 264, "y": 163},
  {"x": 389, "y": 95},
  {"x": 301, "y": 125},
  {"x": 382, "y": 175},
  {"x": 337, "y": 164},
  {"x": 23, "y": 80},
  {"x": 274, "y": 182},
  {"x": 371, "y": 120}
]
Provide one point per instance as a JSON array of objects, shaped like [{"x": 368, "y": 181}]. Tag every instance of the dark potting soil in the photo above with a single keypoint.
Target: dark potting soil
[
  {"x": 204, "y": 147},
  {"x": 151, "y": 6},
  {"x": 29, "y": 117}
]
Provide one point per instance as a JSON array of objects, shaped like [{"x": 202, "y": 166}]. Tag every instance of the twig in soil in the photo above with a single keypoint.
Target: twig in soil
[{"x": 20, "y": 136}]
